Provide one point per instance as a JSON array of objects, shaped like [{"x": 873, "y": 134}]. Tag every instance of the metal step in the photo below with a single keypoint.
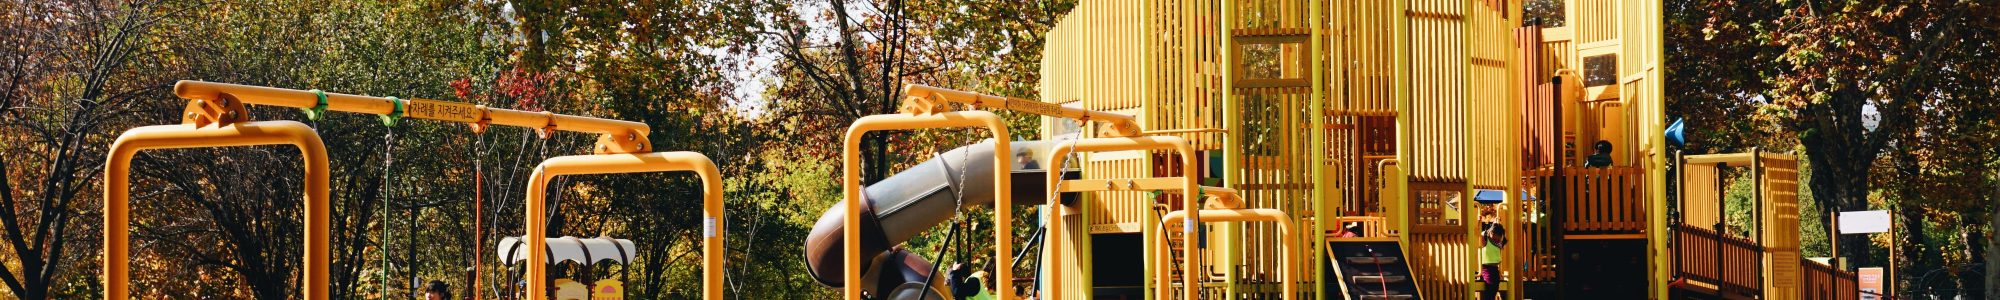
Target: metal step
[
  {"x": 1380, "y": 260},
  {"x": 1380, "y": 278}
]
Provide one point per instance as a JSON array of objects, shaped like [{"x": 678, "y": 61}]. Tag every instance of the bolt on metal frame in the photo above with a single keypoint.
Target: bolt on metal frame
[{"x": 215, "y": 117}]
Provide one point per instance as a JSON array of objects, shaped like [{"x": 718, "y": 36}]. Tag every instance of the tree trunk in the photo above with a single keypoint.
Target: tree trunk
[
  {"x": 1992, "y": 261},
  {"x": 1842, "y": 186}
]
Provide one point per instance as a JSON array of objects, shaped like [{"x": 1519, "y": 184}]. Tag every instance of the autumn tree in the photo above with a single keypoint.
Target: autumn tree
[
  {"x": 68, "y": 75},
  {"x": 1855, "y": 82}
]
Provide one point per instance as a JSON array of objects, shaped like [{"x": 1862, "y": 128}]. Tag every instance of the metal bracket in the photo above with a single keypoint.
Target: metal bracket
[
  {"x": 629, "y": 142},
  {"x": 919, "y": 105},
  {"x": 223, "y": 110}
]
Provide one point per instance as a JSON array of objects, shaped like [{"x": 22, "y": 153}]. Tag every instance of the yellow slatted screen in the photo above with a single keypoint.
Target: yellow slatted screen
[
  {"x": 1595, "y": 20},
  {"x": 1494, "y": 109},
  {"x": 1364, "y": 63},
  {"x": 1781, "y": 233},
  {"x": 1186, "y": 91},
  {"x": 1438, "y": 74},
  {"x": 1700, "y": 194}
]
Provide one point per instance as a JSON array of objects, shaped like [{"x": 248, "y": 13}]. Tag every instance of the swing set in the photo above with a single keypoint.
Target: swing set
[{"x": 215, "y": 117}]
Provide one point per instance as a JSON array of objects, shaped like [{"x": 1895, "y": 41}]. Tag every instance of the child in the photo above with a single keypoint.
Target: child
[
  {"x": 437, "y": 291},
  {"x": 1495, "y": 238}
]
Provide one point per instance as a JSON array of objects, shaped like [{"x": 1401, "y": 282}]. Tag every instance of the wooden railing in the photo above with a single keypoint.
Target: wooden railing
[
  {"x": 1731, "y": 264},
  {"x": 1538, "y": 251},
  {"x": 1600, "y": 200},
  {"x": 1823, "y": 282},
  {"x": 1370, "y": 226}
]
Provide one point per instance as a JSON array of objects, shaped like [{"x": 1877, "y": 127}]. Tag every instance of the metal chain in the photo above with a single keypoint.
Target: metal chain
[{"x": 388, "y": 161}]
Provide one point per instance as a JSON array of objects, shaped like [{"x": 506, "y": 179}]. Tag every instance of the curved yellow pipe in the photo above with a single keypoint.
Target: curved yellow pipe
[
  {"x": 1290, "y": 248},
  {"x": 711, "y": 205},
  {"x": 117, "y": 184},
  {"x": 1058, "y": 230},
  {"x": 1003, "y": 207}
]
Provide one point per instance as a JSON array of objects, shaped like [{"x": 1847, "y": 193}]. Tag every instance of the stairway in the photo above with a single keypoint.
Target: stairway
[{"x": 1371, "y": 270}]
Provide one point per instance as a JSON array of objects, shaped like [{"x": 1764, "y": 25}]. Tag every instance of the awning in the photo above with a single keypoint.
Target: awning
[{"x": 586, "y": 251}]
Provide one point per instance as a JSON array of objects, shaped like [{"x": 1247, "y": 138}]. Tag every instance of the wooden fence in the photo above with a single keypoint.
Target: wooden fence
[
  {"x": 1733, "y": 265},
  {"x": 1823, "y": 282},
  {"x": 1600, "y": 200}
]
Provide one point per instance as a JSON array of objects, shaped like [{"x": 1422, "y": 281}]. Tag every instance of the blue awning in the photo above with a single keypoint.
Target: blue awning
[{"x": 1489, "y": 196}]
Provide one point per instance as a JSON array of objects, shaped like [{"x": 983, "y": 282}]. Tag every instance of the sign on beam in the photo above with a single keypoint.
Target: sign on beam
[{"x": 1871, "y": 221}]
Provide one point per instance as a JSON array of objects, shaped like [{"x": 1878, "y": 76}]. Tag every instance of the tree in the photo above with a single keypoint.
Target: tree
[{"x": 69, "y": 76}]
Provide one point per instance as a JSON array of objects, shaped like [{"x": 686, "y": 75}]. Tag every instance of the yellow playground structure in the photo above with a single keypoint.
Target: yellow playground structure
[
  {"x": 215, "y": 117},
  {"x": 1400, "y": 149}
]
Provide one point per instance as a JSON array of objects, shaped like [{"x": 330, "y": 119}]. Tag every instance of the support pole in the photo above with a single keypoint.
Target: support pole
[
  {"x": 1190, "y": 190},
  {"x": 117, "y": 188},
  {"x": 1003, "y": 207},
  {"x": 712, "y": 250}
]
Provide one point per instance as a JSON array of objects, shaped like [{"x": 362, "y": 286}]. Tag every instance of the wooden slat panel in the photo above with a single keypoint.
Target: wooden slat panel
[
  {"x": 1491, "y": 122},
  {"x": 1438, "y": 90}
]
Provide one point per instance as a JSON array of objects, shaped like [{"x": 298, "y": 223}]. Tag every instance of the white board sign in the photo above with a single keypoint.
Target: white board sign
[{"x": 1872, "y": 221}]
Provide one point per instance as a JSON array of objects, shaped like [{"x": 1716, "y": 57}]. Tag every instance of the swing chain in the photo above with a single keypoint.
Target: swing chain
[{"x": 388, "y": 162}]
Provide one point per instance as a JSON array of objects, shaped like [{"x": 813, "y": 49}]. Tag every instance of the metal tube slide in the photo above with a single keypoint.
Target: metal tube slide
[{"x": 910, "y": 202}]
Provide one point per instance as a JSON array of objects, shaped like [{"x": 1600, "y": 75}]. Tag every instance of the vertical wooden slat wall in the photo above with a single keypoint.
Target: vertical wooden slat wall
[
  {"x": 1364, "y": 33},
  {"x": 1492, "y": 117},
  {"x": 1699, "y": 195},
  {"x": 1185, "y": 90},
  {"x": 1781, "y": 231},
  {"x": 1438, "y": 66}
]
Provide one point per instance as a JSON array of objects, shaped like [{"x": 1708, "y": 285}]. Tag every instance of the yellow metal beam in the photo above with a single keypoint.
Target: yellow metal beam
[
  {"x": 616, "y": 136},
  {"x": 712, "y": 216},
  {"x": 1003, "y": 207},
  {"x": 117, "y": 184},
  {"x": 1223, "y": 198},
  {"x": 923, "y": 99}
]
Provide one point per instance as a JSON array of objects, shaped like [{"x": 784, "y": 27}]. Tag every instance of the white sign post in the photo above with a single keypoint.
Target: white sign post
[{"x": 1870, "y": 221}]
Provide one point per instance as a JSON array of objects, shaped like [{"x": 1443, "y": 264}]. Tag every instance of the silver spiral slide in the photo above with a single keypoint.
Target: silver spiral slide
[{"x": 906, "y": 204}]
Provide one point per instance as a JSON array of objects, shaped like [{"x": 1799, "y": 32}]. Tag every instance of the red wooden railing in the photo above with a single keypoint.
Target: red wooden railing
[
  {"x": 1823, "y": 282},
  {"x": 1732, "y": 264},
  {"x": 1601, "y": 200}
]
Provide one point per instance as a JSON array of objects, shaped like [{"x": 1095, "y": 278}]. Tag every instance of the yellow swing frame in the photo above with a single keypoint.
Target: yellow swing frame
[{"x": 215, "y": 117}]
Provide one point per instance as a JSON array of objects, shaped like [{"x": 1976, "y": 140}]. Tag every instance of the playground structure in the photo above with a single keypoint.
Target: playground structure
[{"x": 216, "y": 117}]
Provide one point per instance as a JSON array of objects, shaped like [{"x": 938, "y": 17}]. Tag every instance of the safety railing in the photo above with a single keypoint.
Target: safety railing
[
  {"x": 1598, "y": 200},
  {"x": 1732, "y": 264},
  {"x": 1823, "y": 282}
]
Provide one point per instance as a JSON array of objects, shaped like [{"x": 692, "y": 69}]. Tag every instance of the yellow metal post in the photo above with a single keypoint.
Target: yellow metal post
[
  {"x": 712, "y": 217},
  {"x": 1290, "y": 246},
  {"x": 117, "y": 184},
  {"x": 1003, "y": 206},
  {"x": 221, "y": 106},
  {"x": 1191, "y": 186}
]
